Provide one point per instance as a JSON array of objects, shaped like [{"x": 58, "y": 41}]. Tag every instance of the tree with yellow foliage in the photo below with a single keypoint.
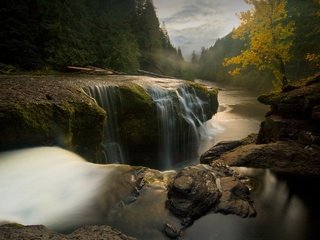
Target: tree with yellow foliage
[{"x": 270, "y": 37}]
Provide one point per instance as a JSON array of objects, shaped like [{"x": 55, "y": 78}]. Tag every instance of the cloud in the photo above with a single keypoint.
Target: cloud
[{"x": 196, "y": 23}]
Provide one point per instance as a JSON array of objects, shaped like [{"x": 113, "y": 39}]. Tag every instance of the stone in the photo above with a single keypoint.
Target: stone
[
  {"x": 217, "y": 150},
  {"x": 222, "y": 147},
  {"x": 196, "y": 196},
  {"x": 16, "y": 231},
  {"x": 171, "y": 231},
  {"x": 234, "y": 198},
  {"x": 282, "y": 156},
  {"x": 198, "y": 189}
]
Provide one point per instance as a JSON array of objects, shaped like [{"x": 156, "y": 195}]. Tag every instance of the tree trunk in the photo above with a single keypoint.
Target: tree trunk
[{"x": 283, "y": 72}]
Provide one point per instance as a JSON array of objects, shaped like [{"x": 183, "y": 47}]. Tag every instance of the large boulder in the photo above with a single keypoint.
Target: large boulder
[
  {"x": 37, "y": 111},
  {"x": 196, "y": 190}
]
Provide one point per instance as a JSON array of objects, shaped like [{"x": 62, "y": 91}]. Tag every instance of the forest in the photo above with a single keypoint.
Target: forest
[
  {"x": 127, "y": 35},
  {"x": 121, "y": 35}
]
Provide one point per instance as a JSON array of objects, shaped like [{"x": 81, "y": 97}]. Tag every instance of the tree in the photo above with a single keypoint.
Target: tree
[
  {"x": 180, "y": 54},
  {"x": 194, "y": 57},
  {"x": 270, "y": 37},
  {"x": 314, "y": 57}
]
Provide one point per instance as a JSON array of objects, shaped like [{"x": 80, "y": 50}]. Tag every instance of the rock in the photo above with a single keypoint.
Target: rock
[
  {"x": 217, "y": 150},
  {"x": 277, "y": 128},
  {"x": 198, "y": 189},
  {"x": 36, "y": 111},
  {"x": 171, "y": 231},
  {"x": 234, "y": 198},
  {"x": 297, "y": 103},
  {"x": 283, "y": 156},
  {"x": 222, "y": 147},
  {"x": 193, "y": 192},
  {"x": 16, "y": 231},
  {"x": 316, "y": 113}
]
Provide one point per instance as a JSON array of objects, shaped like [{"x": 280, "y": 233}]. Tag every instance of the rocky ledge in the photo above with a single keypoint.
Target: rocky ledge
[
  {"x": 16, "y": 231},
  {"x": 288, "y": 140},
  {"x": 45, "y": 110}
]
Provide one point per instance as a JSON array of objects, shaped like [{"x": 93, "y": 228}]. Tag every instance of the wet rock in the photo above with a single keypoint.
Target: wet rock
[
  {"x": 39, "y": 232},
  {"x": 234, "y": 198},
  {"x": 282, "y": 156},
  {"x": 193, "y": 192},
  {"x": 217, "y": 150},
  {"x": 198, "y": 189},
  {"x": 171, "y": 231},
  {"x": 222, "y": 147}
]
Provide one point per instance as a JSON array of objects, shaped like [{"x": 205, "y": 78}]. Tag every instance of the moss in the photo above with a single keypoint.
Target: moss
[
  {"x": 209, "y": 96},
  {"x": 74, "y": 126}
]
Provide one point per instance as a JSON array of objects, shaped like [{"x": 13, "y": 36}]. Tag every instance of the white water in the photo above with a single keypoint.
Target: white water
[
  {"x": 180, "y": 122},
  {"x": 47, "y": 185},
  {"x": 108, "y": 97},
  {"x": 57, "y": 188},
  {"x": 180, "y": 119}
]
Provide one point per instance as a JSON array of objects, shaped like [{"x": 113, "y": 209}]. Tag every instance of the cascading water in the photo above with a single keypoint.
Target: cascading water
[
  {"x": 180, "y": 117},
  {"x": 166, "y": 124},
  {"x": 108, "y": 97}
]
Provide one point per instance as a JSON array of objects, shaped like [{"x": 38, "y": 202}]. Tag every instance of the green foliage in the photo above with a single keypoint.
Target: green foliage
[{"x": 122, "y": 35}]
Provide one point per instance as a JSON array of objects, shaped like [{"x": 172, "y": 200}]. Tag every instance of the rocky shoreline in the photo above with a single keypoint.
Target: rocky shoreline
[{"x": 288, "y": 140}]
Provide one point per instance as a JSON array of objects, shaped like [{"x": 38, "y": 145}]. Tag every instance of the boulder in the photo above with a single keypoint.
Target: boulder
[
  {"x": 282, "y": 156},
  {"x": 195, "y": 190},
  {"x": 16, "y": 231},
  {"x": 225, "y": 146}
]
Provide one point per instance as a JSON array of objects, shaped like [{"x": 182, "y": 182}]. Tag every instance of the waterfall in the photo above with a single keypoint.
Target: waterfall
[
  {"x": 108, "y": 97},
  {"x": 166, "y": 115},
  {"x": 180, "y": 121},
  {"x": 180, "y": 117}
]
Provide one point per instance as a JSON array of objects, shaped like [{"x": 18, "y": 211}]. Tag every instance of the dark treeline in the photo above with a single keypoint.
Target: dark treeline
[
  {"x": 119, "y": 34},
  {"x": 306, "y": 40}
]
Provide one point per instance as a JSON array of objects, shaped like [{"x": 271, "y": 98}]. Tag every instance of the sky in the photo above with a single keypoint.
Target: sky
[{"x": 193, "y": 24}]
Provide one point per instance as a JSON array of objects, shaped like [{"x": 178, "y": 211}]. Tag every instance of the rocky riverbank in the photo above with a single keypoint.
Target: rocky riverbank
[{"x": 288, "y": 140}]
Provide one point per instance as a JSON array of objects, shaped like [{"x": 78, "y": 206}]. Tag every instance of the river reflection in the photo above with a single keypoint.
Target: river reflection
[
  {"x": 239, "y": 114},
  {"x": 287, "y": 210}
]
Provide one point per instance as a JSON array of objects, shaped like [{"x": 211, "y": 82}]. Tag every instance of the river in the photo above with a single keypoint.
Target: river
[
  {"x": 287, "y": 207},
  {"x": 239, "y": 114}
]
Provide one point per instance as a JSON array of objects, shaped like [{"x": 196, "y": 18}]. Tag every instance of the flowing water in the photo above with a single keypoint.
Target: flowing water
[
  {"x": 180, "y": 122},
  {"x": 239, "y": 114},
  {"x": 108, "y": 97},
  {"x": 57, "y": 188}
]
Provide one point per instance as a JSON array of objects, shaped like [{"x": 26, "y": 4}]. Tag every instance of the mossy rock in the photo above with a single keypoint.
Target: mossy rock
[
  {"x": 137, "y": 122},
  {"x": 68, "y": 125}
]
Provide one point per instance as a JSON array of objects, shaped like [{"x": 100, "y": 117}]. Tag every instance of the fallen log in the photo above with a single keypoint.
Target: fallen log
[{"x": 152, "y": 74}]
